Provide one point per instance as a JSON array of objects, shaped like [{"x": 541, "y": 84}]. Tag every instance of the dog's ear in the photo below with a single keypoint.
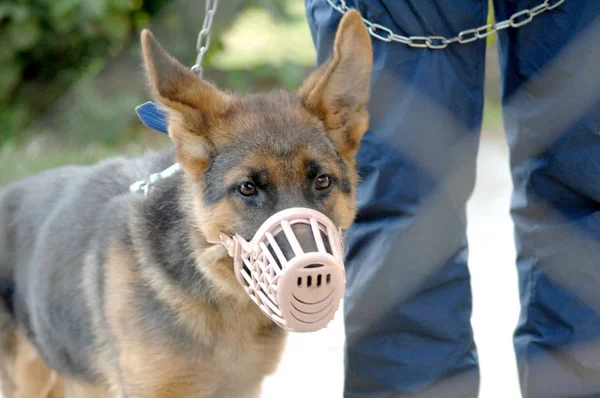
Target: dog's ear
[
  {"x": 194, "y": 105},
  {"x": 338, "y": 91}
]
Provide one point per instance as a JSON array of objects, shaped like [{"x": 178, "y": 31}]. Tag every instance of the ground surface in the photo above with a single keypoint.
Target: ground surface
[{"x": 312, "y": 365}]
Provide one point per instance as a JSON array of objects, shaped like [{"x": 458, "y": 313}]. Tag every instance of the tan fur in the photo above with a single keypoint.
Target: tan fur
[
  {"x": 24, "y": 373},
  {"x": 241, "y": 354},
  {"x": 68, "y": 388},
  {"x": 215, "y": 219},
  {"x": 344, "y": 205}
]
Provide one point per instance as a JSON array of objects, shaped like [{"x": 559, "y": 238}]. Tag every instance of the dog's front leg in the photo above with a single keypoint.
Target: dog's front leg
[
  {"x": 159, "y": 374},
  {"x": 150, "y": 361},
  {"x": 25, "y": 375}
]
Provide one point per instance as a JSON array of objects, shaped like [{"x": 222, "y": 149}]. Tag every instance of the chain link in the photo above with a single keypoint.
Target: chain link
[
  {"x": 203, "y": 41},
  {"x": 385, "y": 34}
]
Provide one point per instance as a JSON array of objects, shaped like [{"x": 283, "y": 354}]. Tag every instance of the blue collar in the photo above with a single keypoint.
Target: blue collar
[
  {"x": 156, "y": 119},
  {"x": 153, "y": 117}
]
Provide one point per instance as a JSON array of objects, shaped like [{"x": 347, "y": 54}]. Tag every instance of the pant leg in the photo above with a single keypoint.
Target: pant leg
[
  {"x": 408, "y": 298},
  {"x": 551, "y": 99}
]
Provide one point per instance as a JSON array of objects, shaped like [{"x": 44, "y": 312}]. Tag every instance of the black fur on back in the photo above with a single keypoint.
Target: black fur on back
[{"x": 55, "y": 227}]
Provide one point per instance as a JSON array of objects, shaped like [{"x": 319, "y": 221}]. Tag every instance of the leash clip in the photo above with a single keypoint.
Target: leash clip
[
  {"x": 144, "y": 186},
  {"x": 140, "y": 187},
  {"x": 227, "y": 243}
]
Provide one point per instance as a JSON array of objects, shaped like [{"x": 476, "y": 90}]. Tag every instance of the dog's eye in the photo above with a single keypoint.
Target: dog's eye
[
  {"x": 247, "y": 189},
  {"x": 323, "y": 181}
]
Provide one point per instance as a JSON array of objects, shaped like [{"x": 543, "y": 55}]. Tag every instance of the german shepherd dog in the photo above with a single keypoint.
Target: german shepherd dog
[{"x": 107, "y": 293}]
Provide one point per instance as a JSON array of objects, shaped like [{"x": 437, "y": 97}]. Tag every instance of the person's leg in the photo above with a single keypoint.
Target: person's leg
[
  {"x": 408, "y": 299},
  {"x": 551, "y": 99}
]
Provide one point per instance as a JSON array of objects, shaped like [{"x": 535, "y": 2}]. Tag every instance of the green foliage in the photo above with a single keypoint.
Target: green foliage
[
  {"x": 259, "y": 38},
  {"x": 20, "y": 161},
  {"x": 58, "y": 58},
  {"x": 47, "y": 44},
  {"x": 71, "y": 68}
]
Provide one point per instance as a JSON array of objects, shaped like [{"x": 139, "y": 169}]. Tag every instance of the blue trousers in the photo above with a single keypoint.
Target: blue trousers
[{"x": 408, "y": 300}]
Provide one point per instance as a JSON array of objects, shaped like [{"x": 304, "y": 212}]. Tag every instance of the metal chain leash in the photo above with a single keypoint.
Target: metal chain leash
[
  {"x": 517, "y": 20},
  {"x": 203, "y": 41},
  {"x": 202, "y": 45}
]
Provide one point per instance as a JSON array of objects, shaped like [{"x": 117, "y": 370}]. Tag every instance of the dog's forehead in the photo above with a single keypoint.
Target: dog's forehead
[
  {"x": 273, "y": 136},
  {"x": 281, "y": 153},
  {"x": 275, "y": 123}
]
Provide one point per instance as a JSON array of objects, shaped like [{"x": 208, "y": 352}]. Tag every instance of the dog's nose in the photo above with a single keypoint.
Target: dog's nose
[{"x": 303, "y": 234}]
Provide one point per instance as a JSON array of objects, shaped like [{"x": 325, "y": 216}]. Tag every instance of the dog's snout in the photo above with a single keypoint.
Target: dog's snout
[{"x": 305, "y": 237}]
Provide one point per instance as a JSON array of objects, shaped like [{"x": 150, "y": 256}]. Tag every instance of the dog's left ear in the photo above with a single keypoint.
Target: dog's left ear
[
  {"x": 194, "y": 105},
  {"x": 338, "y": 91}
]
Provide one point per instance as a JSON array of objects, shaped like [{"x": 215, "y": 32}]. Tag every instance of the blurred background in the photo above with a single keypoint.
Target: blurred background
[
  {"x": 70, "y": 70},
  {"x": 71, "y": 76}
]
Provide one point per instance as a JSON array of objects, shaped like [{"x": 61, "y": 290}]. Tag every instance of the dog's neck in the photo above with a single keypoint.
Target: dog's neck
[
  {"x": 179, "y": 248},
  {"x": 186, "y": 263}
]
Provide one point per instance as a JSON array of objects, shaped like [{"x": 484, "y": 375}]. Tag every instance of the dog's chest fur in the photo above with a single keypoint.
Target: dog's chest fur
[
  {"x": 218, "y": 348},
  {"x": 215, "y": 347},
  {"x": 166, "y": 308}
]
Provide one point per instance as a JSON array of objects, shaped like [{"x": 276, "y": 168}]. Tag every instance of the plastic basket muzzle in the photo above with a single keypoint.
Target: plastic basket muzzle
[{"x": 302, "y": 293}]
